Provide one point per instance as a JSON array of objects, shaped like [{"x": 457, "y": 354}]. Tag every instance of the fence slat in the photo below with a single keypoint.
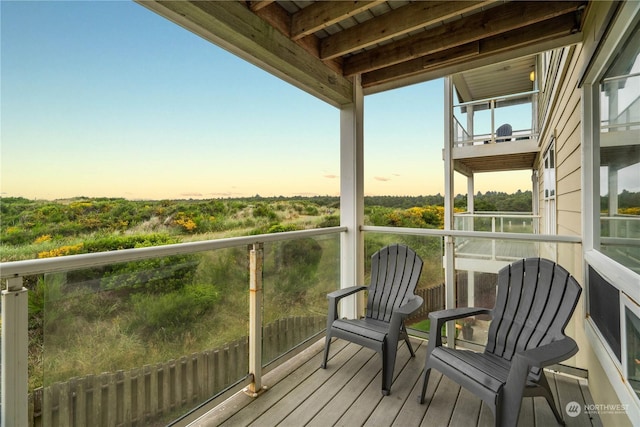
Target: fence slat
[
  {"x": 139, "y": 396},
  {"x": 127, "y": 398},
  {"x": 152, "y": 391},
  {"x": 165, "y": 397}
]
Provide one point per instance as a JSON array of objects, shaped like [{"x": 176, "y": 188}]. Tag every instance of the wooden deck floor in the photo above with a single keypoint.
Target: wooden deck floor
[{"x": 347, "y": 393}]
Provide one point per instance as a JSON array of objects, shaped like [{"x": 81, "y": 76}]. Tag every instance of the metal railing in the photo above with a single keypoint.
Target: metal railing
[
  {"x": 430, "y": 242},
  {"x": 484, "y": 130},
  {"x": 116, "y": 271}
]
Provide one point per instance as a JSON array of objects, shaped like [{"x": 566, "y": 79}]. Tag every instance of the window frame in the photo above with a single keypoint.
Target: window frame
[{"x": 618, "y": 275}]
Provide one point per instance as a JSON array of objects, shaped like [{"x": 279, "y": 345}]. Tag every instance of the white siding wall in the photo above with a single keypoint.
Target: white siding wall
[{"x": 560, "y": 111}]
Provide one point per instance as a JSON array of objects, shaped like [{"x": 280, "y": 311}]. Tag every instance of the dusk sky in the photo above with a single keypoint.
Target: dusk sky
[{"x": 108, "y": 99}]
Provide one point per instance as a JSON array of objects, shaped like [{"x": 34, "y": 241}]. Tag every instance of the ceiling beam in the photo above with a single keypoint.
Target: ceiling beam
[
  {"x": 497, "y": 20},
  {"x": 232, "y": 26},
  {"x": 394, "y": 23},
  {"x": 322, "y": 14},
  {"x": 260, "y": 4},
  {"x": 540, "y": 33},
  {"x": 280, "y": 19}
]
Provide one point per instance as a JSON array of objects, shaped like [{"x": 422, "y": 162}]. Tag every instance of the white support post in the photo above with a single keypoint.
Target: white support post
[
  {"x": 15, "y": 341},
  {"x": 470, "y": 202},
  {"x": 535, "y": 202},
  {"x": 352, "y": 200},
  {"x": 256, "y": 257},
  {"x": 449, "y": 252},
  {"x": 493, "y": 121}
]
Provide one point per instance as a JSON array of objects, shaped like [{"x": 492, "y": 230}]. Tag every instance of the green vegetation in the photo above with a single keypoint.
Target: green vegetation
[
  {"x": 127, "y": 315},
  {"x": 40, "y": 228}
]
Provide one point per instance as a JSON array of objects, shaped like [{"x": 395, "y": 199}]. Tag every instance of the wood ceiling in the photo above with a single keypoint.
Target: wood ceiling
[{"x": 321, "y": 46}]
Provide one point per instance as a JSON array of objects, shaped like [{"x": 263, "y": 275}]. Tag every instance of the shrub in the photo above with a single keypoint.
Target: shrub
[
  {"x": 43, "y": 238},
  {"x": 297, "y": 264},
  {"x": 329, "y": 221},
  {"x": 163, "y": 316},
  {"x": 262, "y": 210},
  {"x": 279, "y": 228}
]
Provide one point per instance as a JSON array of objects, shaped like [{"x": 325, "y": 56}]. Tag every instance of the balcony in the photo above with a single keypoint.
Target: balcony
[
  {"x": 348, "y": 393},
  {"x": 273, "y": 319},
  {"x": 494, "y": 123}
]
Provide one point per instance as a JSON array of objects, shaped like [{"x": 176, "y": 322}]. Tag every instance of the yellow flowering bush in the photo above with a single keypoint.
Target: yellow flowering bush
[
  {"x": 62, "y": 251},
  {"x": 185, "y": 222},
  {"x": 43, "y": 238}
]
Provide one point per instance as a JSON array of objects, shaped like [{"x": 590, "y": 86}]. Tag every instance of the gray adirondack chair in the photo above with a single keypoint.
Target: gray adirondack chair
[
  {"x": 504, "y": 131},
  {"x": 395, "y": 271},
  {"x": 534, "y": 302}
]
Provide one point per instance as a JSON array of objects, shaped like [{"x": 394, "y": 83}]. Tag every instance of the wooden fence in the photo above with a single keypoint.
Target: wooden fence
[
  {"x": 157, "y": 394},
  {"x": 433, "y": 301}
]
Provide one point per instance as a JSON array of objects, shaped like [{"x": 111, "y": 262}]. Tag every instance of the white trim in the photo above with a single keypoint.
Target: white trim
[
  {"x": 624, "y": 20},
  {"x": 619, "y": 276},
  {"x": 612, "y": 370},
  {"x": 352, "y": 198},
  {"x": 449, "y": 243},
  {"x": 627, "y": 303}
]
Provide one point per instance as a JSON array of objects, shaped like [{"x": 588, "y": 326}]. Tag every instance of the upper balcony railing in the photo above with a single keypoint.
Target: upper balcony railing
[{"x": 495, "y": 120}]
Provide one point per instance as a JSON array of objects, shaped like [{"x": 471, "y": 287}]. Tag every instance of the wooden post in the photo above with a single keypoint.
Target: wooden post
[
  {"x": 256, "y": 257},
  {"x": 15, "y": 408}
]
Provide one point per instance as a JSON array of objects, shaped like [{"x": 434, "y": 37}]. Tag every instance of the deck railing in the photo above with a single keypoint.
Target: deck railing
[
  {"x": 477, "y": 122},
  {"x": 165, "y": 294},
  {"x": 288, "y": 273}
]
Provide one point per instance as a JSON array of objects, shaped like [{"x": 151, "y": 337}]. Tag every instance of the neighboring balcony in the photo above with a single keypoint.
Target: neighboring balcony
[
  {"x": 490, "y": 255},
  {"x": 495, "y": 134}
]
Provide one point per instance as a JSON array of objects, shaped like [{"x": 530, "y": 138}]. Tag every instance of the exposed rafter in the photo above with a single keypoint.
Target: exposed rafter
[
  {"x": 395, "y": 23},
  {"x": 551, "y": 29},
  {"x": 483, "y": 25},
  {"x": 320, "y": 15},
  {"x": 320, "y": 45}
]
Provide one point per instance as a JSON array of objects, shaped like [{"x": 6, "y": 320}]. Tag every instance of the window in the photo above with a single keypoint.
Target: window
[
  {"x": 620, "y": 156},
  {"x": 549, "y": 187},
  {"x": 611, "y": 147},
  {"x": 631, "y": 363},
  {"x": 603, "y": 298}
]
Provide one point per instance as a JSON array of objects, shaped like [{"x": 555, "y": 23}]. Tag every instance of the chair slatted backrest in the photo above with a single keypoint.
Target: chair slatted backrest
[
  {"x": 535, "y": 301},
  {"x": 395, "y": 271},
  {"x": 504, "y": 130}
]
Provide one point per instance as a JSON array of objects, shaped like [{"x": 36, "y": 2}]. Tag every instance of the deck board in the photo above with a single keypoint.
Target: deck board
[{"x": 347, "y": 393}]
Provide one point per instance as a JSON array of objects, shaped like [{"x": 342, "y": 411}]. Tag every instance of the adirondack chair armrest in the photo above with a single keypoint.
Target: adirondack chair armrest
[
  {"x": 409, "y": 307},
  {"x": 404, "y": 311},
  {"x": 440, "y": 317},
  {"x": 401, "y": 313},
  {"x": 548, "y": 354},
  {"x": 335, "y": 297},
  {"x": 443, "y": 316},
  {"x": 521, "y": 364}
]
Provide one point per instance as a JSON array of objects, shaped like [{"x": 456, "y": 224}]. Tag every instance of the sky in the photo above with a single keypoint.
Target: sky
[{"x": 108, "y": 99}]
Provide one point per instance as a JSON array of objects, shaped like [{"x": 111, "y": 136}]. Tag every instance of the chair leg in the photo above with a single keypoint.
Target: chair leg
[
  {"x": 388, "y": 364},
  {"x": 406, "y": 339},
  {"x": 545, "y": 391},
  {"x": 425, "y": 382},
  {"x": 327, "y": 345}
]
